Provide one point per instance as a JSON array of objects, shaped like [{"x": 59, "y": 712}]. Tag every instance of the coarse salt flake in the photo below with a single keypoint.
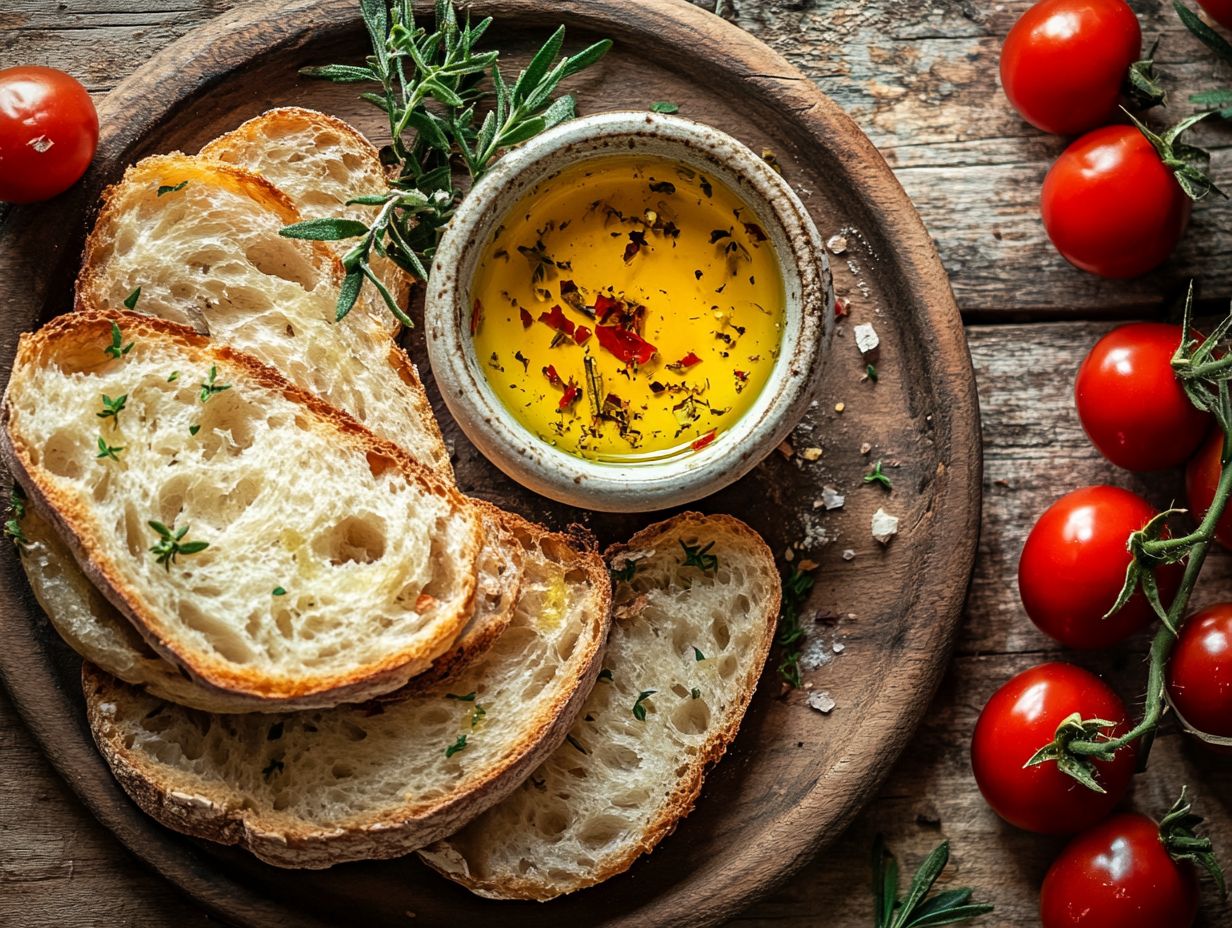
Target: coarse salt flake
[
  {"x": 885, "y": 526},
  {"x": 822, "y": 701}
]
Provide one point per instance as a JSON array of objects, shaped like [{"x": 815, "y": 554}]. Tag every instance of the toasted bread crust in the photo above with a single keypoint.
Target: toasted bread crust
[
  {"x": 392, "y": 832},
  {"x": 447, "y": 861},
  {"x": 379, "y": 677}
]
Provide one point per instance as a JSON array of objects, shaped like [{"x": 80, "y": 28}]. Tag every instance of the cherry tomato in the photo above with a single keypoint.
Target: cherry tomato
[
  {"x": 1132, "y": 406},
  {"x": 1218, "y": 10},
  {"x": 1200, "y": 671},
  {"x": 1201, "y": 480},
  {"x": 1021, "y": 718},
  {"x": 1073, "y": 567},
  {"x": 48, "y": 133},
  {"x": 1063, "y": 63},
  {"x": 1119, "y": 875},
  {"x": 1110, "y": 205}
]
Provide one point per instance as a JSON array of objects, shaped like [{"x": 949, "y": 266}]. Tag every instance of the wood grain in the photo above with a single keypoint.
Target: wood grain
[{"x": 783, "y": 791}]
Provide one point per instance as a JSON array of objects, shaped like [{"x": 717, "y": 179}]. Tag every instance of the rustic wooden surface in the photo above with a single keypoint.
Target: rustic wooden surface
[{"x": 919, "y": 79}]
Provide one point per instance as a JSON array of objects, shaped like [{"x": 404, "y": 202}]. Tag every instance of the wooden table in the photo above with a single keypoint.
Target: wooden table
[{"x": 919, "y": 78}]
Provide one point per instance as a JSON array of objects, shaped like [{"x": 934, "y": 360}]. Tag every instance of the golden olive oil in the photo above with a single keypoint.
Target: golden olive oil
[{"x": 628, "y": 310}]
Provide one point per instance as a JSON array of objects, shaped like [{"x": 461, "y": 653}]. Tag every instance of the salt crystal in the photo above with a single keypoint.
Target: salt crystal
[
  {"x": 837, "y": 244},
  {"x": 867, "y": 341},
  {"x": 849, "y": 555},
  {"x": 839, "y": 647},
  {"x": 823, "y": 702},
  {"x": 831, "y": 498},
  {"x": 866, "y": 448},
  {"x": 885, "y": 526}
]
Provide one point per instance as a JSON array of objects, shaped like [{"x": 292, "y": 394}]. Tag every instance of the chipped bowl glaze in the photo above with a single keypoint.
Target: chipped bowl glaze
[{"x": 642, "y": 487}]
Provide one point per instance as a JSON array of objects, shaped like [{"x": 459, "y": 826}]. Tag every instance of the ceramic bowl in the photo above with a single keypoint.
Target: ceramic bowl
[{"x": 641, "y": 487}]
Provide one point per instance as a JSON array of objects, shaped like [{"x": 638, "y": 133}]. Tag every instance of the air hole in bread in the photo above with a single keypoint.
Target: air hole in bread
[
  {"x": 102, "y": 485},
  {"x": 379, "y": 463},
  {"x": 63, "y": 453},
  {"x": 133, "y": 530},
  {"x": 341, "y": 771},
  {"x": 617, "y": 757},
  {"x": 171, "y": 499},
  {"x": 352, "y": 731},
  {"x": 601, "y": 830},
  {"x": 727, "y": 666},
  {"x": 690, "y": 717},
  {"x": 552, "y": 820},
  {"x": 283, "y": 259},
  {"x": 356, "y": 539},
  {"x": 679, "y": 690},
  {"x": 223, "y": 639},
  {"x": 83, "y": 357},
  {"x": 721, "y": 631}
]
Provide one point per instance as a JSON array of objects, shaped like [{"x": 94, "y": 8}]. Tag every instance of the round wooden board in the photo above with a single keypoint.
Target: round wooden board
[{"x": 795, "y": 777}]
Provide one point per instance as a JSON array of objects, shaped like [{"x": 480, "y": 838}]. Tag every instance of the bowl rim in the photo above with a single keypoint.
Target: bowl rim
[{"x": 645, "y": 486}]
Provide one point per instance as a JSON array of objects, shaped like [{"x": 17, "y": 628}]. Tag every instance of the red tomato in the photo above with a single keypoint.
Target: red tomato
[
  {"x": 48, "y": 133},
  {"x": 1064, "y": 62},
  {"x": 1201, "y": 480},
  {"x": 1073, "y": 567},
  {"x": 1119, "y": 875},
  {"x": 1110, "y": 205},
  {"x": 1200, "y": 671},
  {"x": 1021, "y": 718},
  {"x": 1218, "y": 10},
  {"x": 1132, "y": 406}
]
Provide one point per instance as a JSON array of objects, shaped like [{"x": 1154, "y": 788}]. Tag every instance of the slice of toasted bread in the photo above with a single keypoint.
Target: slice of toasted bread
[
  {"x": 200, "y": 239},
  {"x": 315, "y": 789},
  {"x": 634, "y": 763},
  {"x": 97, "y": 631},
  {"x": 335, "y": 564},
  {"x": 321, "y": 163}
]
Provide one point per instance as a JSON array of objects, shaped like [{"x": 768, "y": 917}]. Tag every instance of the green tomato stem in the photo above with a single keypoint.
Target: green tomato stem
[{"x": 1165, "y": 639}]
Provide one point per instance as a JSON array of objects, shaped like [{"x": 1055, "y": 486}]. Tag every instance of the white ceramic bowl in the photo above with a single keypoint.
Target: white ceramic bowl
[{"x": 808, "y": 315}]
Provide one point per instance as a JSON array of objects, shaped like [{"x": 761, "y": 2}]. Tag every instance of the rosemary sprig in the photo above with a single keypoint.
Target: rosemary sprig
[
  {"x": 791, "y": 633},
  {"x": 170, "y": 544},
  {"x": 433, "y": 87},
  {"x": 917, "y": 908}
]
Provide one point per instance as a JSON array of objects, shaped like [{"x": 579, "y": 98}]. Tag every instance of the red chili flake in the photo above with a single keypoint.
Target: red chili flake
[
  {"x": 629, "y": 347},
  {"x": 550, "y": 373},
  {"x": 476, "y": 317},
  {"x": 841, "y": 308},
  {"x": 527, "y": 319},
  {"x": 741, "y": 375},
  {"x": 572, "y": 392},
  {"x": 689, "y": 360},
  {"x": 704, "y": 440},
  {"x": 556, "y": 320},
  {"x": 754, "y": 232},
  {"x": 605, "y": 306},
  {"x": 581, "y": 334}
]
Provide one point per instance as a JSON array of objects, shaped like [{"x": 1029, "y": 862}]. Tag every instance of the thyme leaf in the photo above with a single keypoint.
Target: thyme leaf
[
  {"x": 170, "y": 544},
  {"x": 209, "y": 388},
  {"x": 117, "y": 348},
  {"x": 457, "y": 746},
  {"x": 639, "y": 710},
  {"x": 108, "y": 451},
  {"x": 112, "y": 408},
  {"x": 698, "y": 556}
]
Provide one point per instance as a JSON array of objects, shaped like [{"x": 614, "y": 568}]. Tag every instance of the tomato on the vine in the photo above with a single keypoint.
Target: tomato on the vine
[
  {"x": 1130, "y": 402},
  {"x": 1201, "y": 481},
  {"x": 48, "y": 133},
  {"x": 1119, "y": 875},
  {"x": 1064, "y": 62},
  {"x": 1073, "y": 567},
  {"x": 1218, "y": 10},
  {"x": 1021, "y": 718},
  {"x": 1111, "y": 206},
  {"x": 1200, "y": 671}
]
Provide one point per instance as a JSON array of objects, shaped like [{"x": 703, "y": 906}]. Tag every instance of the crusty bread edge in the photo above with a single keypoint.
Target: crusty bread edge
[
  {"x": 392, "y": 834},
  {"x": 446, "y": 861},
  {"x": 389, "y": 673},
  {"x": 88, "y": 292}
]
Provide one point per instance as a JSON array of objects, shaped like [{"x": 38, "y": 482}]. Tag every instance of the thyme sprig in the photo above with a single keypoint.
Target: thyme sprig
[
  {"x": 917, "y": 908},
  {"x": 17, "y": 512},
  {"x": 117, "y": 348},
  {"x": 699, "y": 556},
  {"x": 112, "y": 407},
  {"x": 791, "y": 633},
  {"x": 1204, "y": 368},
  {"x": 448, "y": 105},
  {"x": 171, "y": 544}
]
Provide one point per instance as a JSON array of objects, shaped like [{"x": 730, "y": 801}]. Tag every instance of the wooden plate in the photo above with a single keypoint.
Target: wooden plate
[{"x": 795, "y": 777}]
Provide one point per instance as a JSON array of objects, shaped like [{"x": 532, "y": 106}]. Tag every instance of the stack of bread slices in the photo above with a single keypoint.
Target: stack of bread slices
[{"x": 300, "y": 636}]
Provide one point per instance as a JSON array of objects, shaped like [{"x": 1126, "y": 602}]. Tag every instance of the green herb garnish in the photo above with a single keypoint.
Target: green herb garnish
[
  {"x": 469, "y": 697},
  {"x": 117, "y": 348},
  {"x": 194, "y": 429},
  {"x": 17, "y": 509},
  {"x": 175, "y": 375},
  {"x": 456, "y": 746},
  {"x": 639, "y": 710},
  {"x": 209, "y": 388},
  {"x": 698, "y": 655},
  {"x": 663, "y": 106},
  {"x": 108, "y": 451},
  {"x": 171, "y": 544},
  {"x": 876, "y": 475},
  {"x": 695, "y": 693},
  {"x": 279, "y": 591},
  {"x": 130, "y": 301},
  {"x": 112, "y": 408},
  {"x": 164, "y": 190},
  {"x": 871, "y": 372},
  {"x": 697, "y": 556},
  {"x": 431, "y": 87},
  {"x": 915, "y": 910},
  {"x": 791, "y": 633},
  {"x": 477, "y": 714}
]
